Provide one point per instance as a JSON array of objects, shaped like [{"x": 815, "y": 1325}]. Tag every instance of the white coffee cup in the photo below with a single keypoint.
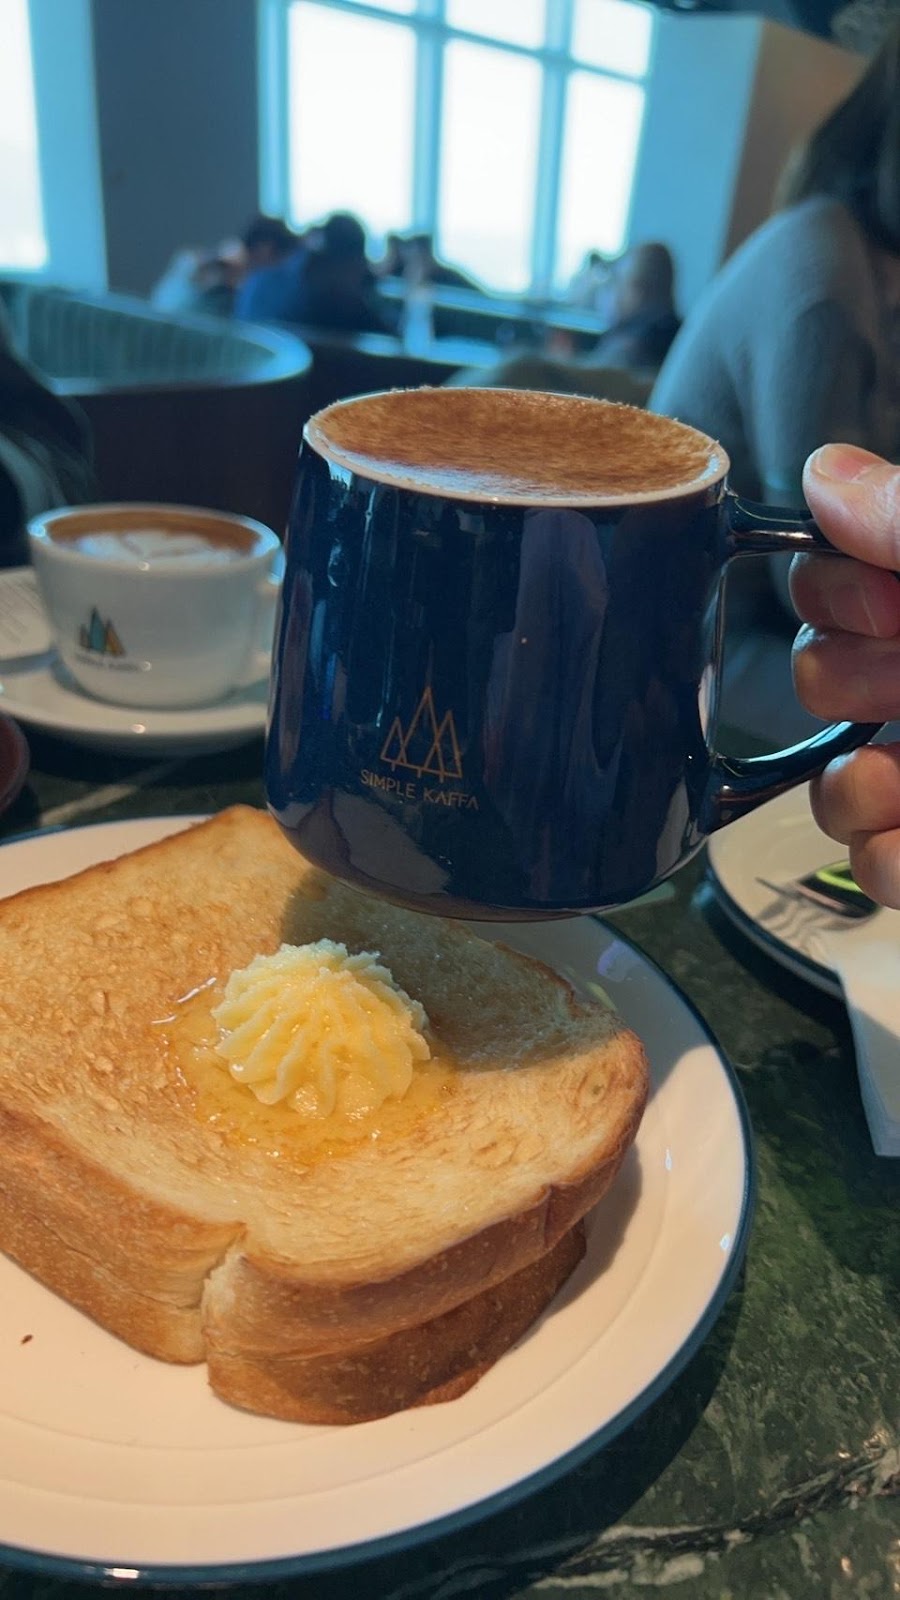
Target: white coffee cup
[{"x": 156, "y": 605}]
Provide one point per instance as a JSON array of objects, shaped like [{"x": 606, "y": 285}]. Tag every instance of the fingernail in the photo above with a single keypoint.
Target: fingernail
[{"x": 842, "y": 463}]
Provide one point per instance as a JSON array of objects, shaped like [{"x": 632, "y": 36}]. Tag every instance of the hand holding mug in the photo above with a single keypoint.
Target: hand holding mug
[{"x": 847, "y": 657}]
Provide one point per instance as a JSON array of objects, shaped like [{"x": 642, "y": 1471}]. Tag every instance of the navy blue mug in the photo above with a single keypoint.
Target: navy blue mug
[{"x": 497, "y": 659}]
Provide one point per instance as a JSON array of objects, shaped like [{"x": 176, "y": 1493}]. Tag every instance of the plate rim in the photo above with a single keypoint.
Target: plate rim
[
  {"x": 12, "y": 782},
  {"x": 202, "y": 1574},
  {"x": 790, "y": 959},
  {"x": 253, "y": 716}
]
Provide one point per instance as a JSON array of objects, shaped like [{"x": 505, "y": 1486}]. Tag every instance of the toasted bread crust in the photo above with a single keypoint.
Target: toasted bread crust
[
  {"x": 423, "y": 1365},
  {"x": 272, "y": 1307},
  {"x": 136, "y": 1266},
  {"x": 120, "y": 1200}
]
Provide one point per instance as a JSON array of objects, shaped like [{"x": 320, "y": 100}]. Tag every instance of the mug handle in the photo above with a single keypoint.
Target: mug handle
[{"x": 741, "y": 783}]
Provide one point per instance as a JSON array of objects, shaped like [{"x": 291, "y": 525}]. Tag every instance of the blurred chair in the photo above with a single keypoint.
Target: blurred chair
[
  {"x": 349, "y": 364},
  {"x": 190, "y": 409},
  {"x": 534, "y": 371}
]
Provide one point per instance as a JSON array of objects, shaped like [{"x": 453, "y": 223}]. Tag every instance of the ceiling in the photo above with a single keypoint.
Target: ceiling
[{"x": 856, "y": 24}]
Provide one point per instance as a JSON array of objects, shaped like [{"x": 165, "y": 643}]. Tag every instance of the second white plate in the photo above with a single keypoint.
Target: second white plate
[
  {"x": 115, "y": 1466},
  {"x": 778, "y": 843}
]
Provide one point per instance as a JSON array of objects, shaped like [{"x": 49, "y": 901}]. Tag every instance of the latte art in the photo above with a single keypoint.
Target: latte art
[{"x": 148, "y": 546}]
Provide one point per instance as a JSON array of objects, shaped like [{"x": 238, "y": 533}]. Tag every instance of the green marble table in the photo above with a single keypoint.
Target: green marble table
[{"x": 770, "y": 1470}]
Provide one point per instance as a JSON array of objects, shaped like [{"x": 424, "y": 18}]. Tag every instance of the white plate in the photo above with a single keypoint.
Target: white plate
[
  {"x": 113, "y": 1465},
  {"x": 36, "y": 689},
  {"x": 780, "y": 842}
]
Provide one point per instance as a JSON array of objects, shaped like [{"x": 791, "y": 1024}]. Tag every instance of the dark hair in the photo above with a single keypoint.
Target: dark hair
[
  {"x": 651, "y": 268},
  {"x": 854, "y": 155},
  {"x": 268, "y": 230},
  {"x": 344, "y": 235}
]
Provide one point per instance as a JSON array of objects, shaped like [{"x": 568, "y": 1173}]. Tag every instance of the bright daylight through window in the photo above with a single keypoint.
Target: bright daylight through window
[
  {"x": 23, "y": 246},
  {"x": 507, "y": 128}
]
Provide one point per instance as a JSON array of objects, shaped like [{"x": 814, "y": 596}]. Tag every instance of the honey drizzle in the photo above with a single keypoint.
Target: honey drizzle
[{"x": 205, "y": 1087}]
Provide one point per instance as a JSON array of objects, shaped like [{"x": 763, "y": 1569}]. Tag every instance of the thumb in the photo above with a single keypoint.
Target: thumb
[{"x": 855, "y": 498}]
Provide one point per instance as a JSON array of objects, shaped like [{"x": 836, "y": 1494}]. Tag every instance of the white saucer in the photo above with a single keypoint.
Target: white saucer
[
  {"x": 36, "y": 689},
  {"x": 775, "y": 844},
  {"x": 117, "y": 1467}
]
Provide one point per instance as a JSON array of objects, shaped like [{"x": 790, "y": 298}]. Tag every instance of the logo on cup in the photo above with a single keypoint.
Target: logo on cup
[
  {"x": 426, "y": 745},
  {"x": 100, "y": 638}
]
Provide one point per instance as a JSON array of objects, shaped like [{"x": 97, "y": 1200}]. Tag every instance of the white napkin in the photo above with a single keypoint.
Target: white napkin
[
  {"x": 869, "y": 971},
  {"x": 24, "y": 629}
]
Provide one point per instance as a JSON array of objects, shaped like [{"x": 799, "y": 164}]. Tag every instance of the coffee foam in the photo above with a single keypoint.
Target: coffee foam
[
  {"x": 146, "y": 546},
  {"x": 514, "y": 445},
  {"x": 150, "y": 535}
]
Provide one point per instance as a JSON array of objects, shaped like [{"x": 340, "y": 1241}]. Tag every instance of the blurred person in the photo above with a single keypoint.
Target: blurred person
[
  {"x": 273, "y": 259},
  {"x": 196, "y": 281},
  {"x": 327, "y": 282},
  {"x": 393, "y": 261},
  {"x": 587, "y": 286},
  {"x": 337, "y": 284},
  {"x": 623, "y": 362},
  {"x": 267, "y": 240},
  {"x": 847, "y": 656},
  {"x": 638, "y": 298},
  {"x": 423, "y": 268},
  {"x": 797, "y": 339},
  {"x": 45, "y": 451},
  {"x": 210, "y": 280}
]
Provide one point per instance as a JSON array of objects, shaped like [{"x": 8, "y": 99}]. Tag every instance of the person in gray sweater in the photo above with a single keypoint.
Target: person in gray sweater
[{"x": 797, "y": 339}]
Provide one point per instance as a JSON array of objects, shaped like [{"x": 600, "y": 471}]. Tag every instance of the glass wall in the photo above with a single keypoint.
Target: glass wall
[
  {"x": 23, "y": 244},
  {"x": 509, "y": 129}
]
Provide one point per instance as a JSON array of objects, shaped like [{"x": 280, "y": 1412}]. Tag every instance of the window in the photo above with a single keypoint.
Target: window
[
  {"x": 51, "y": 218},
  {"x": 23, "y": 245},
  {"x": 593, "y": 210},
  {"x": 517, "y": 21},
  {"x": 367, "y": 88},
  {"x": 509, "y": 129},
  {"x": 489, "y": 125}
]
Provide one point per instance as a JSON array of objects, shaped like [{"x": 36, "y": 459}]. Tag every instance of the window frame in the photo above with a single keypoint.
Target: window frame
[
  {"x": 432, "y": 32},
  {"x": 62, "y": 61}
]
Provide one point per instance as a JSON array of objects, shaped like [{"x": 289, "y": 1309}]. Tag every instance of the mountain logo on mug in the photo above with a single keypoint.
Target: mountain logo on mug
[
  {"x": 426, "y": 745},
  {"x": 100, "y": 637}
]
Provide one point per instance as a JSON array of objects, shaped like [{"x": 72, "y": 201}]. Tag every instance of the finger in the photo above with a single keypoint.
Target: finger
[
  {"x": 838, "y": 675},
  {"x": 855, "y": 498},
  {"x": 858, "y": 793},
  {"x": 847, "y": 595},
  {"x": 875, "y": 863}
]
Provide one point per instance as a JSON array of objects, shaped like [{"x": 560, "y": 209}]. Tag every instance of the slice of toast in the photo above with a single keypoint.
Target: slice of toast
[
  {"x": 434, "y": 1361},
  {"x": 191, "y": 1223}
]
